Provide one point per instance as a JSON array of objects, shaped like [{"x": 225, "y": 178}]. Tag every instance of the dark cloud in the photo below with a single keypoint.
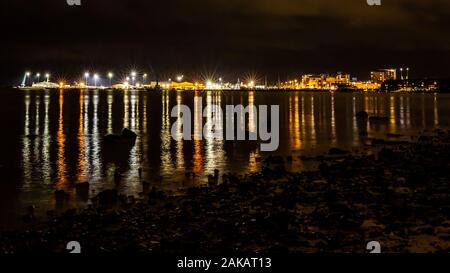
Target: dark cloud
[{"x": 275, "y": 37}]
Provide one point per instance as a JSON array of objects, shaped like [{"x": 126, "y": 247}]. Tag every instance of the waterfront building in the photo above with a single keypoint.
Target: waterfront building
[
  {"x": 45, "y": 85},
  {"x": 382, "y": 75}
]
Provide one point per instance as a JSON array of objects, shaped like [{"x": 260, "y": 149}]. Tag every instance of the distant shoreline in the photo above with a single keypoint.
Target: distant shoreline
[{"x": 239, "y": 90}]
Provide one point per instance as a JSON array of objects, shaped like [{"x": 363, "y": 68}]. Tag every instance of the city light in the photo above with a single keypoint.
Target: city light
[
  {"x": 144, "y": 77},
  {"x": 95, "y": 79},
  {"x": 325, "y": 81},
  {"x": 86, "y": 77},
  {"x": 110, "y": 76},
  {"x": 24, "y": 81}
]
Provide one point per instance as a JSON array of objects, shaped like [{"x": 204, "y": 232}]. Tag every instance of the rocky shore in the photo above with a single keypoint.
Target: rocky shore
[{"x": 399, "y": 196}]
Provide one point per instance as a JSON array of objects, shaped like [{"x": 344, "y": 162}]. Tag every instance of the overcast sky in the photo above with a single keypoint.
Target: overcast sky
[{"x": 231, "y": 37}]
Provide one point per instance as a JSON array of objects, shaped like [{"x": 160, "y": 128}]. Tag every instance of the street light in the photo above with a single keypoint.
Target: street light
[
  {"x": 86, "y": 77},
  {"x": 143, "y": 78},
  {"x": 38, "y": 76},
  {"x": 110, "y": 76},
  {"x": 24, "y": 81},
  {"x": 47, "y": 76},
  {"x": 95, "y": 79},
  {"x": 133, "y": 76},
  {"x": 180, "y": 78}
]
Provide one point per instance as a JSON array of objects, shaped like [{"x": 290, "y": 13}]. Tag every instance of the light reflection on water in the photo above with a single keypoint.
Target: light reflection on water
[{"x": 60, "y": 135}]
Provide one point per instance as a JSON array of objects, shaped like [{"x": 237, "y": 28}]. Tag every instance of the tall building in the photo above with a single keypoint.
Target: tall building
[{"x": 382, "y": 75}]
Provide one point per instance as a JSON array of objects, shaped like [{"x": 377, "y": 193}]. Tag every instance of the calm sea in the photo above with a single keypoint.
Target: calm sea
[{"x": 52, "y": 139}]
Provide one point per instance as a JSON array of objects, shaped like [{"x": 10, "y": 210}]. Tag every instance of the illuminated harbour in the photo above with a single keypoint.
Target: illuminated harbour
[{"x": 380, "y": 80}]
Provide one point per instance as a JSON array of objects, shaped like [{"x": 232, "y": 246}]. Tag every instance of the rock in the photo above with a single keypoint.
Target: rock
[
  {"x": 337, "y": 151},
  {"x": 393, "y": 135},
  {"x": 401, "y": 190},
  {"x": 82, "y": 190},
  {"x": 31, "y": 209},
  {"x": 108, "y": 197},
  {"x": 386, "y": 153},
  {"x": 128, "y": 134},
  {"x": 371, "y": 224},
  {"x": 155, "y": 194},
  {"x": 61, "y": 196},
  {"x": 378, "y": 119},
  {"x": 126, "y": 138},
  {"x": 111, "y": 139},
  {"x": 145, "y": 187},
  {"x": 362, "y": 114}
]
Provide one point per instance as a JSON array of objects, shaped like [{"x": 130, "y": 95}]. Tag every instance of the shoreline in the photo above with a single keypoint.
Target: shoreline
[
  {"x": 399, "y": 197},
  {"x": 281, "y": 90}
]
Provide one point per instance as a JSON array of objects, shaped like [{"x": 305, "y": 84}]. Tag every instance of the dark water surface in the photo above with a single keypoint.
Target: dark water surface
[{"x": 52, "y": 139}]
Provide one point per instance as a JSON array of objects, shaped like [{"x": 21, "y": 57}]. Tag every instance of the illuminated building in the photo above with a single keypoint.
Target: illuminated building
[
  {"x": 46, "y": 85},
  {"x": 313, "y": 81},
  {"x": 183, "y": 86},
  {"x": 382, "y": 75},
  {"x": 366, "y": 85}
]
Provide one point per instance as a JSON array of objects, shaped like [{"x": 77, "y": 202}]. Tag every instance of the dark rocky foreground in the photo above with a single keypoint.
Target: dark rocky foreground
[{"x": 399, "y": 196}]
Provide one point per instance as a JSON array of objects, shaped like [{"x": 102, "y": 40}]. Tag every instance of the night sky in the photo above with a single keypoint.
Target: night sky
[{"x": 230, "y": 38}]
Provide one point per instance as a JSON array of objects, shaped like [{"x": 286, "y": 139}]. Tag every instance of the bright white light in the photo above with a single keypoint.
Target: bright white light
[
  {"x": 96, "y": 76},
  {"x": 38, "y": 74},
  {"x": 212, "y": 85},
  {"x": 180, "y": 78},
  {"x": 28, "y": 74},
  {"x": 110, "y": 75},
  {"x": 133, "y": 73},
  {"x": 86, "y": 75},
  {"x": 128, "y": 79}
]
